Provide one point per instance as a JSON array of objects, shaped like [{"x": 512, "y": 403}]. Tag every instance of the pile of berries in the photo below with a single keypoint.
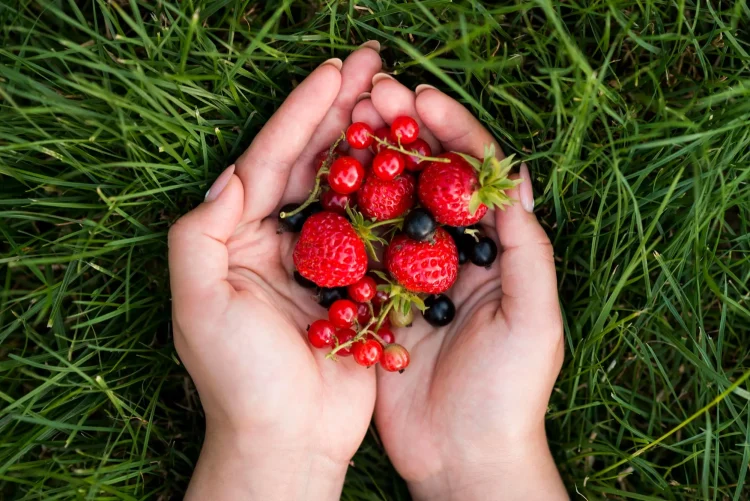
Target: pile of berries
[{"x": 423, "y": 210}]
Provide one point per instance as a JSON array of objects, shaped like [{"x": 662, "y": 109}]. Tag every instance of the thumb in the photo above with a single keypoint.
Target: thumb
[
  {"x": 198, "y": 257},
  {"x": 527, "y": 265}
]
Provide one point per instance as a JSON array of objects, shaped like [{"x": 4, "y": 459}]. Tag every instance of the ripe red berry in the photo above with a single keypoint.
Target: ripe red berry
[
  {"x": 363, "y": 314},
  {"x": 346, "y": 175},
  {"x": 383, "y": 200},
  {"x": 344, "y": 336},
  {"x": 380, "y": 298},
  {"x": 395, "y": 358},
  {"x": 321, "y": 333},
  {"x": 388, "y": 164},
  {"x": 430, "y": 267},
  {"x": 405, "y": 128},
  {"x": 363, "y": 290},
  {"x": 384, "y": 134},
  {"x": 335, "y": 202},
  {"x": 342, "y": 313},
  {"x": 359, "y": 135},
  {"x": 367, "y": 353},
  {"x": 386, "y": 335},
  {"x": 421, "y": 147}
]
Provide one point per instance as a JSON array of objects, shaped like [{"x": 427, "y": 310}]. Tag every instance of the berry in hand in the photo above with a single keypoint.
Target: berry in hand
[
  {"x": 380, "y": 298},
  {"x": 386, "y": 335},
  {"x": 440, "y": 310},
  {"x": 400, "y": 319},
  {"x": 346, "y": 175},
  {"x": 363, "y": 290},
  {"x": 420, "y": 147},
  {"x": 335, "y": 202},
  {"x": 363, "y": 314},
  {"x": 321, "y": 333},
  {"x": 367, "y": 353},
  {"x": 384, "y": 134},
  {"x": 344, "y": 336},
  {"x": 307, "y": 284},
  {"x": 395, "y": 358},
  {"x": 484, "y": 252},
  {"x": 329, "y": 252},
  {"x": 405, "y": 129},
  {"x": 327, "y": 296},
  {"x": 342, "y": 313},
  {"x": 430, "y": 267},
  {"x": 388, "y": 164},
  {"x": 383, "y": 200},
  {"x": 359, "y": 135},
  {"x": 420, "y": 225}
]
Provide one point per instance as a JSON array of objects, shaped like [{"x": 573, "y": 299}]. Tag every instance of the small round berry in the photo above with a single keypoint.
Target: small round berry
[
  {"x": 335, "y": 202},
  {"x": 307, "y": 284},
  {"x": 465, "y": 245},
  {"x": 363, "y": 314},
  {"x": 326, "y": 296},
  {"x": 484, "y": 252},
  {"x": 321, "y": 333},
  {"x": 386, "y": 335},
  {"x": 440, "y": 310},
  {"x": 342, "y": 313},
  {"x": 292, "y": 224},
  {"x": 405, "y": 128},
  {"x": 380, "y": 298},
  {"x": 346, "y": 175},
  {"x": 420, "y": 225},
  {"x": 359, "y": 135},
  {"x": 388, "y": 164},
  {"x": 421, "y": 147},
  {"x": 367, "y": 353},
  {"x": 384, "y": 134},
  {"x": 344, "y": 336},
  {"x": 363, "y": 290},
  {"x": 400, "y": 319},
  {"x": 395, "y": 358}
]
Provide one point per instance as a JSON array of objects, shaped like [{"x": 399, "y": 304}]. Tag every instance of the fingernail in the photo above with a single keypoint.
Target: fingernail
[
  {"x": 364, "y": 95},
  {"x": 334, "y": 61},
  {"x": 372, "y": 44},
  {"x": 221, "y": 182},
  {"x": 526, "y": 190},
  {"x": 423, "y": 87},
  {"x": 379, "y": 77}
]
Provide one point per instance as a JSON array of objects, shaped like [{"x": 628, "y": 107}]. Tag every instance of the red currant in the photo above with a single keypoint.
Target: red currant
[
  {"x": 395, "y": 358},
  {"x": 359, "y": 135},
  {"x": 384, "y": 134},
  {"x": 386, "y": 335},
  {"x": 388, "y": 164},
  {"x": 363, "y": 290},
  {"x": 335, "y": 202},
  {"x": 320, "y": 159},
  {"x": 342, "y": 313},
  {"x": 321, "y": 333},
  {"x": 367, "y": 353},
  {"x": 344, "y": 336},
  {"x": 406, "y": 129},
  {"x": 421, "y": 147},
  {"x": 363, "y": 314},
  {"x": 346, "y": 175},
  {"x": 380, "y": 298}
]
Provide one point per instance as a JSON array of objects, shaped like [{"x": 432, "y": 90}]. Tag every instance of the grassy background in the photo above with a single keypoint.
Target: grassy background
[{"x": 634, "y": 115}]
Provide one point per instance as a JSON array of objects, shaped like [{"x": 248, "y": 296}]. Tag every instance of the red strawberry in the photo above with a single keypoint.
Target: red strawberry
[
  {"x": 429, "y": 267},
  {"x": 382, "y": 200},
  {"x": 329, "y": 252},
  {"x": 458, "y": 193}
]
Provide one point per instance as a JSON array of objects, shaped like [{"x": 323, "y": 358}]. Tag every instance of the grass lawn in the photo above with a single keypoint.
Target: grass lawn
[{"x": 634, "y": 116}]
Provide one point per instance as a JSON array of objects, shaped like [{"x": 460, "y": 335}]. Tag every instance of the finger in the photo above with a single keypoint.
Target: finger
[
  {"x": 527, "y": 265},
  {"x": 198, "y": 257},
  {"x": 265, "y": 166},
  {"x": 392, "y": 100},
  {"x": 356, "y": 78},
  {"x": 452, "y": 124}
]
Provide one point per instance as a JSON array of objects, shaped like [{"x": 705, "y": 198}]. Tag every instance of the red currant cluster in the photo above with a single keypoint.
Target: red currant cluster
[{"x": 353, "y": 209}]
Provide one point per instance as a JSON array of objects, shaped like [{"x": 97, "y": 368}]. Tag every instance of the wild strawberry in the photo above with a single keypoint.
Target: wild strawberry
[
  {"x": 382, "y": 200},
  {"x": 429, "y": 267},
  {"x": 459, "y": 192},
  {"x": 329, "y": 252}
]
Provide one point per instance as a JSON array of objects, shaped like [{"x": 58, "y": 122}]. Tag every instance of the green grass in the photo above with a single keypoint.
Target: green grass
[{"x": 634, "y": 116}]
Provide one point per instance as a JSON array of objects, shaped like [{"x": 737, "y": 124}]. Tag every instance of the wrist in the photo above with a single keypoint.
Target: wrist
[{"x": 237, "y": 466}]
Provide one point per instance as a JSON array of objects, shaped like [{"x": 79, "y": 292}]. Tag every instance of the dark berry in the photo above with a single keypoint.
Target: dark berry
[
  {"x": 484, "y": 252},
  {"x": 307, "y": 284},
  {"x": 465, "y": 245},
  {"x": 293, "y": 223},
  {"x": 420, "y": 225},
  {"x": 440, "y": 310},
  {"x": 327, "y": 296}
]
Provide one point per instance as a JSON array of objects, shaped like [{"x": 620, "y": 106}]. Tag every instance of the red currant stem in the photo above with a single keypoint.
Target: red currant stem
[
  {"x": 414, "y": 154},
  {"x": 366, "y": 329},
  {"x": 384, "y": 314},
  {"x": 313, "y": 197},
  {"x": 378, "y": 338}
]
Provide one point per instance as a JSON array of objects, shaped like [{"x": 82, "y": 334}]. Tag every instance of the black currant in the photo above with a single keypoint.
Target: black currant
[
  {"x": 420, "y": 225},
  {"x": 465, "y": 245},
  {"x": 484, "y": 252},
  {"x": 440, "y": 310},
  {"x": 455, "y": 231},
  {"x": 307, "y": 284},
  {"x": 326, "y": 297},
  {"x": 293, "y": 223}
]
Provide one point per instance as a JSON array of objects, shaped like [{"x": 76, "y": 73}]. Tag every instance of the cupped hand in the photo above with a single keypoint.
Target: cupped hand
[
  {"x": 282, "y": 422},
  {"x": 466, "y": 419}
]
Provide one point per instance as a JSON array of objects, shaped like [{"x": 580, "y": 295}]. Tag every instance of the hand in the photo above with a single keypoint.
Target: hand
[
  {"x": 466, "y": 419},
  {"x": 281, "y": 421}
]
